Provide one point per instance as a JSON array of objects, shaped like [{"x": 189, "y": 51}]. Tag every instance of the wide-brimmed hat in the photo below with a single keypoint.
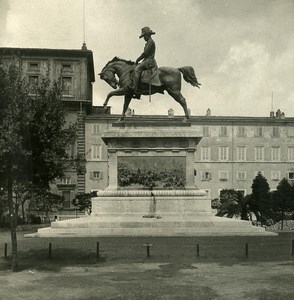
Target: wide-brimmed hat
[{"x": 146, "y": 30}]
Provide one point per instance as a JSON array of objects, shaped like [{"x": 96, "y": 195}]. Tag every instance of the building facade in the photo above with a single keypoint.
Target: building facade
[
  {"x": 230, "y": 154},
  {"x": 75, "y": 70}
]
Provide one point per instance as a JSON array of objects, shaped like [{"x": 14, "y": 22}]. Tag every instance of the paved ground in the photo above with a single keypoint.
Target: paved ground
[{"x": 174, "y": 271}]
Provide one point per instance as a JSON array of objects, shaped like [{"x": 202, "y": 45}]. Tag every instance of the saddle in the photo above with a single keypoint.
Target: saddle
[
  {"x": 151, "y": 77},
  {"x": 147, "y": 78}
]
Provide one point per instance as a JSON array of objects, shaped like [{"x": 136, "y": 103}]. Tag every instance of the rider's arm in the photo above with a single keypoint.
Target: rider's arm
[{"x": 149, "y": 51}]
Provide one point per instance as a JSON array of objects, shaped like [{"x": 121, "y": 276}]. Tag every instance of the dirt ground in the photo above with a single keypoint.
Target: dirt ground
[
  {"x": 221, "y": 269},
  {"x": 148, "y": 280}
]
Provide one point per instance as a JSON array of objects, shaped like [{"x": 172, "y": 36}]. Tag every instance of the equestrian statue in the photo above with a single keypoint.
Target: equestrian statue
[{"x": 145, "y": 78}]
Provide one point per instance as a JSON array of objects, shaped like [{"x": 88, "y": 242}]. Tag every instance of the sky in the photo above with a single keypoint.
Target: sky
[{"x": 241, "y": 51}]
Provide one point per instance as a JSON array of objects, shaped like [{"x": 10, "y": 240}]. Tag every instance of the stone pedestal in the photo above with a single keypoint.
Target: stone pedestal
[{"x": 151, "y": 188}]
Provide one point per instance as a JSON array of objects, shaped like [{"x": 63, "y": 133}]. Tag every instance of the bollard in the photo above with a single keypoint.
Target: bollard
[
  {"x": 292, "y": 247},
  {"x": 147, "y": 245},
  {"x": 197, "y": 250},
  {"x": 5, "y": 250},
  {"x": 97, "y": 250},
  {"x": 50, "y": 250},
  {"x": 246, "y": 250}
]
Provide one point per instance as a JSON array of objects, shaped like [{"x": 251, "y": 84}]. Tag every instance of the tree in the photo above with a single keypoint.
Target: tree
[
  {"x": 49, "y": 135},
  {"x": 33, "y": 138},
  {"x": 22, "y": 192},
  {"x": 282, "y": 199},
  {"x": 82, "y": 201},
  {"x": 15, "y": 117},
  {"x": 47, "y": 201},
  {"x": 232, "y": 204},
  {"x": 3, "y": 206},
  {"x": 260, "y": 198}
]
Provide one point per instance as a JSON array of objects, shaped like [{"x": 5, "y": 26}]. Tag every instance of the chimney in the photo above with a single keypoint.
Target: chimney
[
  {"x": 278, "y": 114},
  {"x": 84, "y": 47}
]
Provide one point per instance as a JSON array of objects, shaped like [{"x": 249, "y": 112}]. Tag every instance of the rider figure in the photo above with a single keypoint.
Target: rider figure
[{"x": 147, "y": 56}]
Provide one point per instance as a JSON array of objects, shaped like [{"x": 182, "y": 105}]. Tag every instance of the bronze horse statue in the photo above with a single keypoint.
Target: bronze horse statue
[{"x": 170, "y": 79}]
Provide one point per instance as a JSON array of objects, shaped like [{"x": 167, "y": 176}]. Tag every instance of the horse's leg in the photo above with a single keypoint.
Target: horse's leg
[
  {"x": 119, "y": 92},
  {"x": 127, "y": 101},
  {"x": 180, "y": 99}
]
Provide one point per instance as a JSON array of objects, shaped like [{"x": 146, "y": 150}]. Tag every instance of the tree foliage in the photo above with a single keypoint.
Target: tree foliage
[
  {"x": 232, "y": 204},
  {"x": 282, "y": 200},
  {"x": 48, "y": 134},
  {"x": 47, "y": 201},
  {"x": 82, "y": 201},
  {"x": 260, "y": 198}
]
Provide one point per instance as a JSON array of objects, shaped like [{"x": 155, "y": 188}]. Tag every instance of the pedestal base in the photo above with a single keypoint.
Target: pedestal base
[{"x": 140, "y": 213}]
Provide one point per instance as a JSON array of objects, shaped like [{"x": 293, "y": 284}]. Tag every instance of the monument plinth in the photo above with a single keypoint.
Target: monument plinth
[{"x": 151, "y": 188}]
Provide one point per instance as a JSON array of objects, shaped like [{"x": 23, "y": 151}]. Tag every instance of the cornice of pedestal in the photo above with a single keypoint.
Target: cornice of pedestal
[{"x": 156, "y": 193}]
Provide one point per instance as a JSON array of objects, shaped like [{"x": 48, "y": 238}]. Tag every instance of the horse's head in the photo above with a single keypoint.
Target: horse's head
[
  {"x": 116, "y": 66},
  {"x": 109, "y": 76}
]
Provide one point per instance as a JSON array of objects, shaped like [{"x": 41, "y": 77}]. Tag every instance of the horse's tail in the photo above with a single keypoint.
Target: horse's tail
[{"x": 189, "y": 75}]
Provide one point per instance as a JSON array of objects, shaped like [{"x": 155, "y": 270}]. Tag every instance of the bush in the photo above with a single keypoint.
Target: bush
[
  {"x": 20, "y": 221},
  {"x": 4, "y": 222},
  {"x": 35, "y": 219}
]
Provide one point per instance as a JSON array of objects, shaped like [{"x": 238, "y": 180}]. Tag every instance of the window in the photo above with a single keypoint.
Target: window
[
  {"x": 241, "y": 175},
  {"x": 241, "y": 153},
  {"x": 205, "y": 176},
  {"x": 97, "y": 175},
  {"x": 275, "y": 175},
  {"x": 291, "y": 153},
  {"x": 66, "y": 196},
  {"x": 96, "y": 152},
  {"x": 71, "y": 150},
  {"x": 65, "y": 180},
  {"x": 95, "y": 129},
  {"x": 67, "y": 85},
  {"x": 34, "y": 66},
  {"x": 223, "y": 131},
  {"x": 290, "y": 131},
  {"x": 33, "y": 83},
  {"x": 206, "y": 131},
  {"x": 66, "y": 67},
  {"x": 223, "y": 153},
  {"x": 259, "y": 131},
  {"x": 223, "y": 175},
  {"x": 241, "y": 131},
  {"x": 276, "y": 132},
  {"x": 205, "y": 153},
  {"x": 290, "y": 175},
  {"x": 259, "y": 153},
  {"x": 275, "y": 153}
]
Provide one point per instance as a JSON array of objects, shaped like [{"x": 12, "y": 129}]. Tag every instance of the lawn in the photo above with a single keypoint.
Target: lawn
[{"x": 220, "y": 269}]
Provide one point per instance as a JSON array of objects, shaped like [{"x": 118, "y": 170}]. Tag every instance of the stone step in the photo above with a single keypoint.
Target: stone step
[{"x": 184, "y": 231}]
